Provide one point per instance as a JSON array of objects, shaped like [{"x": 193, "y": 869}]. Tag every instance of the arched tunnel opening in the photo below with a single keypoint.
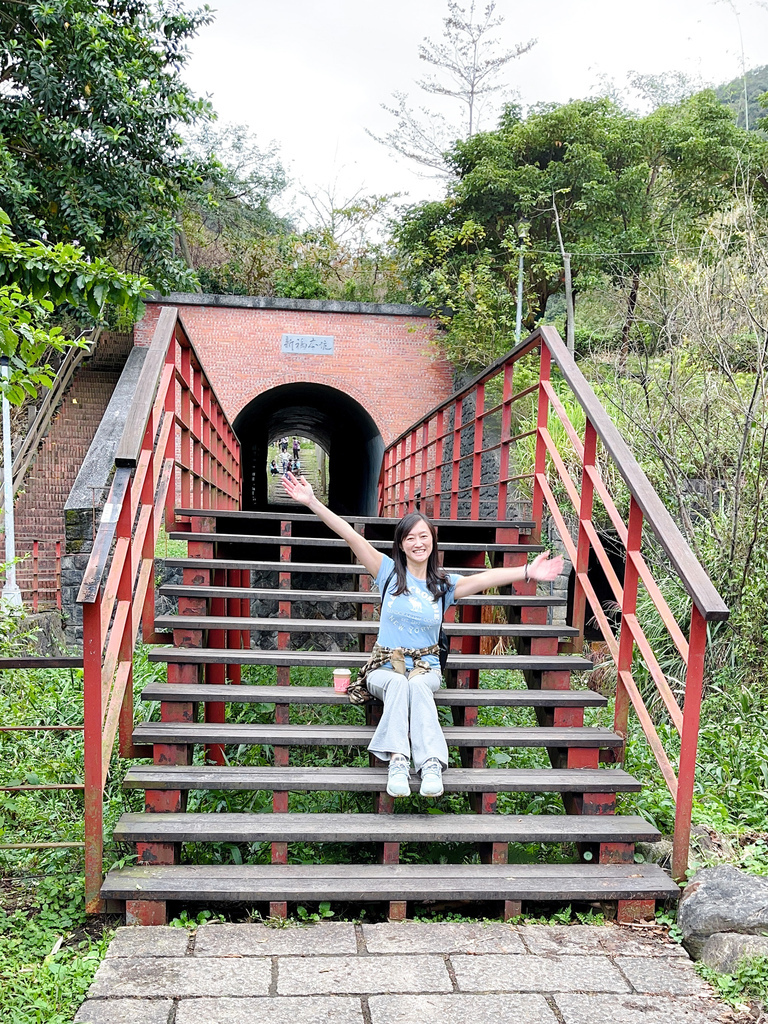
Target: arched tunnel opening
[{"x": 340, "y": 425}]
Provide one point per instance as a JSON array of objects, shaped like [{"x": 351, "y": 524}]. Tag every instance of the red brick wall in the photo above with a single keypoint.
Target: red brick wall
[{"x": 389, "y": 364}]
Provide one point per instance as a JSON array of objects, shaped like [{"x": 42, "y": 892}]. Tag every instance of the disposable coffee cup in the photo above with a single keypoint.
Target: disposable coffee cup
[{"x": 341, "y": 678}]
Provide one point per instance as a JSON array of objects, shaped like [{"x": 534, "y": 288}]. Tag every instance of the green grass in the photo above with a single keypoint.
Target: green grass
[{"x": 47, "y": 955}]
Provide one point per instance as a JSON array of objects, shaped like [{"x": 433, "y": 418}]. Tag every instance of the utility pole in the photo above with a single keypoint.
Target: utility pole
[
  {"x": 570, "y": 332},
  {"x": 10, "y": 593},
  {"x": 522, "y": 233}
]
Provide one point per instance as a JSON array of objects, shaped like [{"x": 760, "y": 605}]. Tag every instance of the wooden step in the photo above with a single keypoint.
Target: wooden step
[
  {"x": 374, "y": 780},
  {"x": 352, "y": 596},
  {"x": 248, "y": 694},
  {"x": 329, "y": 542},
  {"x": 377, "y": 828},
  {"x": 358, "y": 883},
  {"x": 354, "y": 659},
  {"x": 360, "y": 735},
  {"x": 316, "y": 568},
  {"x": 523, "y": 525},
  {"x": 290, "y": 625}
]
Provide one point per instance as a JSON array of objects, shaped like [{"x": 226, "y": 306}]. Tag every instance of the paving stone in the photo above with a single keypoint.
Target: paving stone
[
  {"x": 137, "y": 976},
  {"x": 343, "y": 974},
  {"x": 620, "y": 941},
  {"x": 124, "y": 1011},
  {"x": 418, "y": 937},
  {"x": 459, "y": 1009},
  {"x": 259, "y": 940},
  {"x": 537, "y": 974},
  {"x": 580, "y": 939},
  {"x": 676, "y": 977},
  {"x": 282, "y": 1010},
  {"x": 579, "y": 1009},
  {"x": 158, "y": 941}
]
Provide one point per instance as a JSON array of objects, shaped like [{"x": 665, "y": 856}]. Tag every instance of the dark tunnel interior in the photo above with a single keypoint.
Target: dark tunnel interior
[{"x": 327, "y": 416}]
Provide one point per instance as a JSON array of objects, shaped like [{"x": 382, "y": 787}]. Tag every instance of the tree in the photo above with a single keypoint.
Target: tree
[
  {"x": 89, "y": 144},
  {"x": 624, "y": 187},
  {"x": 750, "y": 87},
  {"x": 35, "y": 277},
  {"x": 468, "y": 67}
]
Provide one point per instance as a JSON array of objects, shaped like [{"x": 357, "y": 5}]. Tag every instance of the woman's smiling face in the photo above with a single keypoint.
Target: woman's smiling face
[{"x": 417, "y": 545}]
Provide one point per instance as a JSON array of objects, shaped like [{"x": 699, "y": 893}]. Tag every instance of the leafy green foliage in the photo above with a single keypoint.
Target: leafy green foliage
[
  {"x": 47, "y": 958},
  {"x": 89, "y": 143},
  {"x": 34, "y": 277},
  {"x": 323, "y": 911},
  {"x": 623, "y": 187},
  {"x": 732, "y": 95},
  {"x": 748, "y": 982}
]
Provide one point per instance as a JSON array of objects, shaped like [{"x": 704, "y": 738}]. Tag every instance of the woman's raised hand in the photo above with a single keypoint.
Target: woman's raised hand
[
  {"x": 543, "y": 568},
  {"x": 298, "y": 488}
]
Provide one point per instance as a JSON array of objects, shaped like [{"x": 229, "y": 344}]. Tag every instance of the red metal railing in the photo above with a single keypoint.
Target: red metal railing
[
  {"x": 38, "y": 589},
  {"x": 470, "y": 458},
  {"x": 177, "y": 448}
]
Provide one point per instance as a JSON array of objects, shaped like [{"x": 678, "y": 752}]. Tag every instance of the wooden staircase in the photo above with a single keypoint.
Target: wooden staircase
[{"x": 283, "y": 564}]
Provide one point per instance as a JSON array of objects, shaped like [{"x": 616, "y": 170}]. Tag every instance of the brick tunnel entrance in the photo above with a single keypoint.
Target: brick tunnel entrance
[{"x": 327, "y": 416}]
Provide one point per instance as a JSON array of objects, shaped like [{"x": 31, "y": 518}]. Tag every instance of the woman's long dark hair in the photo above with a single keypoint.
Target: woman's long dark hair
[{"x": 437, "y": 580}]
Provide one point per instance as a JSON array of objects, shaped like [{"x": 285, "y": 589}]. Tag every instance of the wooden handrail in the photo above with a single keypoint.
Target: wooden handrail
[
  {"x": 129, "y": 449},
  {"x": 692, "y": 574},
  {"x": 177, "y": 446},
  {"x": 102, "y": 546}
]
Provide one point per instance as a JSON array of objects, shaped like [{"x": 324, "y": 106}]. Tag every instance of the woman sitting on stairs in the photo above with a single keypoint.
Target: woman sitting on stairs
[{"x": 414, "y": 588}]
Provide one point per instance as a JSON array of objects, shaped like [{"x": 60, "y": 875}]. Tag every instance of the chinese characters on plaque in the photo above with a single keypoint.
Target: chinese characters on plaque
[{"x": 307, "y": 344}]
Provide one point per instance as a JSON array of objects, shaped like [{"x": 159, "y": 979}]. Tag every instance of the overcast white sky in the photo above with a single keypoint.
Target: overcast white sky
[{"x": 311, "y": 74}]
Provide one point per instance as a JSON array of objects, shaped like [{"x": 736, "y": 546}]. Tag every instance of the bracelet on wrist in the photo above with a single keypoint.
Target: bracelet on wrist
[{"x": 527, "y": 577}]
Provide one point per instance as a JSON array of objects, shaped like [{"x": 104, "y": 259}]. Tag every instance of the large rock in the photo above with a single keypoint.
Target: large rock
[
  {"x": 722, "y": 899},
  {"x": 723, "y": 951}
]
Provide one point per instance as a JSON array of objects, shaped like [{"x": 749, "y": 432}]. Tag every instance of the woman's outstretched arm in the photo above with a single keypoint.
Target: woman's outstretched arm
[
  {"x": 541, "y": 569},
  {"x": 300, "y": 490}
]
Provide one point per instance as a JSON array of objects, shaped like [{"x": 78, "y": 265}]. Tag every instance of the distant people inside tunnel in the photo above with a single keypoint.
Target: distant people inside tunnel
[
  {"x": 274, "y": 471},
  {"x": 296, "y": 467},
  {"x": 283, "y": 444},
  {"x": 296, "y": 448},
  {"x": 404, "y": 669}
]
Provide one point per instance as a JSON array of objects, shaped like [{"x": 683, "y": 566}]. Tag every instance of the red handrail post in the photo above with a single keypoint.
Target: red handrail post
[
  {"x": 477, "y": 452},
  {"x": 506, "y": 432},
  {"x": 438, "y": 487},
  {"x": 628, "y": 607},
  {"x": 35, "y": 580},
  {"x": 582, "y": 544},
  {"x": 540, "y": 461},
  {"x": 694, "y": 681},
  {"x": 93, "y": 717},
  {"x": 456, "y": 458},
  {"x": 170, "y": 447},
  {"x": 125, "y": 648},
  {"x": 424, "y": 458}
]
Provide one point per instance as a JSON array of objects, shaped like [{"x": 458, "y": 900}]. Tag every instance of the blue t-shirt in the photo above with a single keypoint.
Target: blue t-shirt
[{"x": 412, "y": 619}]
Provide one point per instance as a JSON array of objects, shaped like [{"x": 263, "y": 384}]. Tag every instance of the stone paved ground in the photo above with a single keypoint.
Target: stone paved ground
[{"x": 409, "y": 973}]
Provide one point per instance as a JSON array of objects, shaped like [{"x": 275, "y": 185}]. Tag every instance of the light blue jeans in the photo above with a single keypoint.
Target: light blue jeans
[{"x": 409, "y": 722}]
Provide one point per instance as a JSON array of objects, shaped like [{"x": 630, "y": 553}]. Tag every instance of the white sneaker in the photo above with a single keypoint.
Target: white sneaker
[
  {"x": 431, "y": 778},
  {"x": 398, "y": 776}
]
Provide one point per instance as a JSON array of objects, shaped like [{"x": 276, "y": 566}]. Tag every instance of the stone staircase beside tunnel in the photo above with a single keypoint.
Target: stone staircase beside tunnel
[{"x": 262, "y": 590}]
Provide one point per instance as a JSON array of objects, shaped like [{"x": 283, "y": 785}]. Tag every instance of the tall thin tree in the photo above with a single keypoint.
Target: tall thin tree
[{"x": 467, "y": 68}]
